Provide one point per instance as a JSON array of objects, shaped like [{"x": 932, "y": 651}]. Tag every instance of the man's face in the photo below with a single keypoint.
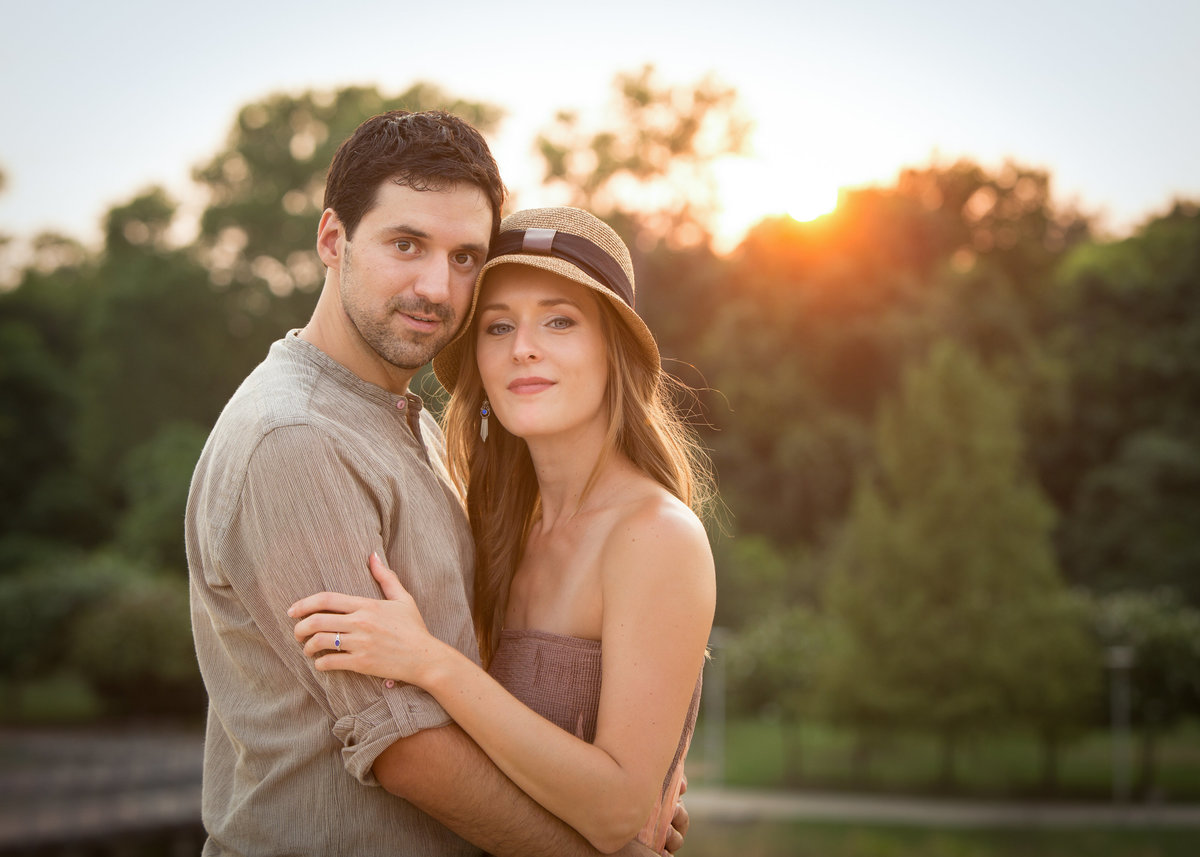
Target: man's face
[{"x": 407, "y": 276}]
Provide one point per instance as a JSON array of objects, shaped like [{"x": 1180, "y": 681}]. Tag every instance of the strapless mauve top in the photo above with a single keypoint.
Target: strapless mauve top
[{"x": 558, "y": 676}]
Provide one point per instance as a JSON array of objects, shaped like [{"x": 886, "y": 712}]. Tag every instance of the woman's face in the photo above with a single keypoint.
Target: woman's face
[{"x": 541, "y": 352}]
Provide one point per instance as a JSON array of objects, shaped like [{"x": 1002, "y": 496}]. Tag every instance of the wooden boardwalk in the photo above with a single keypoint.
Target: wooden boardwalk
[{"x": 68, "y": 792}]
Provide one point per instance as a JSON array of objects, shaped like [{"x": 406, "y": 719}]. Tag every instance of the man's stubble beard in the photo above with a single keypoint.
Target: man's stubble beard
[{"x": 408, "y": 350}]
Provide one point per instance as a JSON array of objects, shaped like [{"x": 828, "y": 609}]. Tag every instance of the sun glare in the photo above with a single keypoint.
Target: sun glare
[
  {"x": 815, "y": 202},
  {"x": 751, "y": 190}
]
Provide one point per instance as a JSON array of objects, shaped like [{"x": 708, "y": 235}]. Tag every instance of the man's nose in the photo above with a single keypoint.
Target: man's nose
[{"x": 433, "y": 280}]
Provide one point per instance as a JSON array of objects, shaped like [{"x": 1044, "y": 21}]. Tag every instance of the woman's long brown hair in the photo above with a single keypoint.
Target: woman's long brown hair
[{"x": 501, "y": 487}]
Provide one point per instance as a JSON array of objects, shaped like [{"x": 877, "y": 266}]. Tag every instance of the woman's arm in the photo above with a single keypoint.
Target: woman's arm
[{"x": 659, "y": 593}]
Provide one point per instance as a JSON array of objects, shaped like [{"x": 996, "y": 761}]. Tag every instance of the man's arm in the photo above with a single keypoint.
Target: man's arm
[{"x": 445, "y": 774}]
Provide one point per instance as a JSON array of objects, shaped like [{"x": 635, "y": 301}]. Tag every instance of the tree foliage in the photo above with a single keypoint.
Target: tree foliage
[
  {"x": 943, "y": 590},
  {"x": 1163, "y": 636},
  {"x": 1129, "y": 333},
  {"x": 653, "y": 167}
]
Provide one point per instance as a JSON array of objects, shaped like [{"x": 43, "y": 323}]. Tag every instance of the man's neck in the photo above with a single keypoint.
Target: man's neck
[{"x": 331, "y": 330}]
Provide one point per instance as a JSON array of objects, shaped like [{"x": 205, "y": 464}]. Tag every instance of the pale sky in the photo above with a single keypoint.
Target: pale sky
[{"x": 102, "y": 100}]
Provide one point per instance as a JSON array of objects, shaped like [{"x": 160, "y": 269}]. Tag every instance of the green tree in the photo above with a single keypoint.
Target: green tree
[
  {"x": 97, "y": 621},
  {"x": 1164, "y": 634},
  {"x": 1055, "y": 676},
  {"x": 1006, "y": 218},
  {"x": 41, "y": 494},
  {"x": 152, "y": 346},
  {"x": 756, "y": 576},
  {"x": 772, "y": 671},
  {"x": 155, "y": 480},
  {"x": 135, "y": 647},
  {"x": 768, "y": 609},
  {"x": 1128, "y": 457},
  {"x": 944, "y": 561}
]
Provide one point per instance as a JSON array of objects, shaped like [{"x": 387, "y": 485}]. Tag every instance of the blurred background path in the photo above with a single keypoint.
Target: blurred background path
[
  {"x": 62, "y": 787},
  {"x": 738, "y": 805}
]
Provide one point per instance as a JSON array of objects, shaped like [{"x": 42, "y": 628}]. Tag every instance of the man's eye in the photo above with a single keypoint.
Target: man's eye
[
  {"x": 404, "y": 245},
  {"x": 465, "y": 259}
]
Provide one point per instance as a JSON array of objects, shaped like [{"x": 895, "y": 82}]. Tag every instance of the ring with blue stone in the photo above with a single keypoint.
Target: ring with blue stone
[{"x": 337, "y": 640}]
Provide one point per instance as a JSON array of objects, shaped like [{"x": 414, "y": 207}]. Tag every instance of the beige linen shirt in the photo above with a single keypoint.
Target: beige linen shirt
[{"x": 308, "y": 470}]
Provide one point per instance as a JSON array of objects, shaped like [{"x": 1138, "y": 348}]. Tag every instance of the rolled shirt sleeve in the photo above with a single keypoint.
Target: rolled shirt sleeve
[{"x": 310, "y": 511}]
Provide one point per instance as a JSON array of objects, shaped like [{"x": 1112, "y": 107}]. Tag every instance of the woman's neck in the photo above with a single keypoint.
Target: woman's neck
[{"x": 565, "y": 467}]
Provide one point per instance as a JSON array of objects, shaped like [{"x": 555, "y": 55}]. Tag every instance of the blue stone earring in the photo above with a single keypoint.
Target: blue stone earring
[{"x": 484, "y": 411}]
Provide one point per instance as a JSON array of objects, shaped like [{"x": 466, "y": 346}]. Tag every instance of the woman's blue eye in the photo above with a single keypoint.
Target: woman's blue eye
[
  {"x": 498, "y": 328},
  {"x": 561, "y": 323}
]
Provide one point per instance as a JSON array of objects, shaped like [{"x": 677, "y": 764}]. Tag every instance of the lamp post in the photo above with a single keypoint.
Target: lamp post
[{"x": 1120, "y": 661}]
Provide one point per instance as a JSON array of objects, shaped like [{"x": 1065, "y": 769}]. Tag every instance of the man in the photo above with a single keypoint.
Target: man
[{"x": 321, "y": 457}]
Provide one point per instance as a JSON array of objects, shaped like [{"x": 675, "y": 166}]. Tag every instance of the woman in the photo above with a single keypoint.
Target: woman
[{"x": 594, "y": 583}]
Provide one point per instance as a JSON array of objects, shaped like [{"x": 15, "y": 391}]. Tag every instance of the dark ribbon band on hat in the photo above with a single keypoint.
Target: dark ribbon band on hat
[{"x": 580, "y": 252}]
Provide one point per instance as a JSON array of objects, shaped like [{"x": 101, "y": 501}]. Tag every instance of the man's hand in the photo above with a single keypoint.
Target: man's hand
[{"x": 679, "y": 822}]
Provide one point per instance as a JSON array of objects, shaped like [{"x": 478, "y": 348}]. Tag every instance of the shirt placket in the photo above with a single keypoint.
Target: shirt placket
[{"x": 410, "y": 406}]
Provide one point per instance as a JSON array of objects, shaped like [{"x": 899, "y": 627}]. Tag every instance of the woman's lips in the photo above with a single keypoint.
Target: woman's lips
[{"x": 529, "y": 385}]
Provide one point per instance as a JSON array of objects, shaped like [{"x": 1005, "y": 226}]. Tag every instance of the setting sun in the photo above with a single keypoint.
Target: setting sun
[
  {"x": 813, "y": 203},
  {"x": 751, "y": 189}
]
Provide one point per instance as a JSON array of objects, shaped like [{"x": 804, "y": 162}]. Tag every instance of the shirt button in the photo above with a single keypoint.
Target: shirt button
[
  {"x": 389, "y": 683},
  {"x": 401, "y": 404}
]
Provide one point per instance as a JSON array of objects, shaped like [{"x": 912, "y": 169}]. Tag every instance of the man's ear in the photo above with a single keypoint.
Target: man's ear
[{"x": 330, "y": 239}]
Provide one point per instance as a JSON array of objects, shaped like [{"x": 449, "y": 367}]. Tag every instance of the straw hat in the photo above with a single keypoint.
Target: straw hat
[{"x": 569, "y": 242}]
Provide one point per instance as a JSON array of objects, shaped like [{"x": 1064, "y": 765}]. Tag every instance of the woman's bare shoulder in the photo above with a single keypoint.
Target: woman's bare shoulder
[{"x": 657, "y": 531}]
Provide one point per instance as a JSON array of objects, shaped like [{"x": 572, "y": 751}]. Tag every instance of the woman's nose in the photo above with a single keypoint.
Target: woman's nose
[{"x": 524, "y": 346}]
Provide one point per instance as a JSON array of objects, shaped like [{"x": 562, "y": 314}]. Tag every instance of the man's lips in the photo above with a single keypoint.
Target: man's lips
[
  {"x": 530, "y": 385},
  {"x": 421, "y": 322}
]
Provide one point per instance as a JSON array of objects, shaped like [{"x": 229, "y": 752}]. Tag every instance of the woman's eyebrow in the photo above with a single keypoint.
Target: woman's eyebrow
[{"x": 546, "y": 302}]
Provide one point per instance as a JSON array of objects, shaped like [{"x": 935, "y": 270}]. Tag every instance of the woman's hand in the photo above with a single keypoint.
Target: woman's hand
[{"x": 385, "y": 638}]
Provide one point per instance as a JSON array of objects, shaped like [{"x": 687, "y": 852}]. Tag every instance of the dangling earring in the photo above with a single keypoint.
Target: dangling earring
[{"x": 483, "y": 420}]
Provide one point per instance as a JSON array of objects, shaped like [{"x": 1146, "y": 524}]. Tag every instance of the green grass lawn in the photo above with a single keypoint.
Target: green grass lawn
[
  {"x": 763, "y": 754},
  {"x": 815, "y": 839}
]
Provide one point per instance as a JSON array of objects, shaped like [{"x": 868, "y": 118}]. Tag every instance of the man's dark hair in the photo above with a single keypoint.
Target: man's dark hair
[{"x": 433, "y": 150}]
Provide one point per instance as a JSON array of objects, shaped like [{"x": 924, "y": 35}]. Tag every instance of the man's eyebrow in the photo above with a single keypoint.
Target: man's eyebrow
[{"x": 405, "y": 229}]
